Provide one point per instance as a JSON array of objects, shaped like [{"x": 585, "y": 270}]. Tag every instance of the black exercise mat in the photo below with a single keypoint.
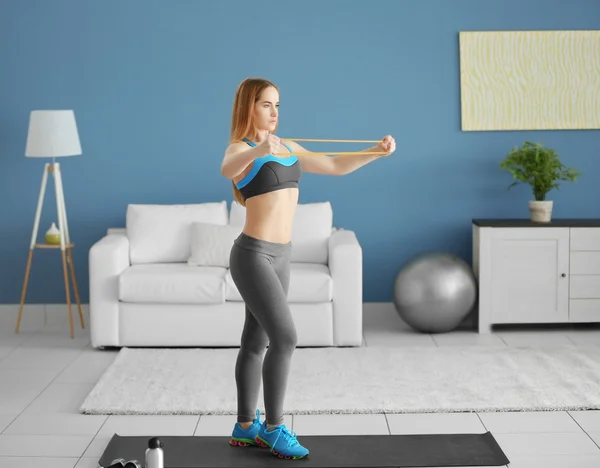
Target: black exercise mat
[{"x": 371, "y": 451}]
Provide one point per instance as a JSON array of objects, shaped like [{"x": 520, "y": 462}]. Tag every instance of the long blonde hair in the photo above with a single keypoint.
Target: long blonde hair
[{"x": 243, "y": 124}]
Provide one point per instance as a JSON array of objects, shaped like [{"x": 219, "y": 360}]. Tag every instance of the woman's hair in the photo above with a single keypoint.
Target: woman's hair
[{"x": 242, "y": 119}]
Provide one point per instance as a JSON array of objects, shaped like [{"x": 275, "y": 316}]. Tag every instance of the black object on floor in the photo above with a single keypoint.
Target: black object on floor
[{"x": 370, "y": 451}]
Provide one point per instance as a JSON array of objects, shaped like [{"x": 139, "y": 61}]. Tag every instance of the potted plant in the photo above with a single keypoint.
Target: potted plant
[{"x": 541, "y": 168}]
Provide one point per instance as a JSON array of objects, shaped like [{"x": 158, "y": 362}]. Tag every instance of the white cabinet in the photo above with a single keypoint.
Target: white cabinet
[{"x": 536, "y": 273}]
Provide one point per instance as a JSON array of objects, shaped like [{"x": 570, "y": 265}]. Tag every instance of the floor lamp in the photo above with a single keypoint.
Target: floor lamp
[{"x": 53, "y": 134}]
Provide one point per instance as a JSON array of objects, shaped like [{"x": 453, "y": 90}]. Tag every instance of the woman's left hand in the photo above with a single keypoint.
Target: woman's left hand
[{"x": 387, "y": 145}]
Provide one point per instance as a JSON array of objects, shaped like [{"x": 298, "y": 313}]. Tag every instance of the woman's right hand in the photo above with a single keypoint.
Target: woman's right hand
[{"x": 271, "y": 145}]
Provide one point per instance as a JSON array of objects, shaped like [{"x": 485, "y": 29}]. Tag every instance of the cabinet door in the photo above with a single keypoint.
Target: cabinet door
[{"x": 529, "y": 275}]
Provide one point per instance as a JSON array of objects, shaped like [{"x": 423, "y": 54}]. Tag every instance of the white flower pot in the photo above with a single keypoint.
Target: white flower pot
[{"x": 540, "y": 211}]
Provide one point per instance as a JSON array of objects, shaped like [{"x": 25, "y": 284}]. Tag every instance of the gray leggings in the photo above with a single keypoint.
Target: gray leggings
[{"x": 261, "y": 272}]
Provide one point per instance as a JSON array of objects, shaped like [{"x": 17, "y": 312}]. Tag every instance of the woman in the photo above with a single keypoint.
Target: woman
[{"x": 267, "y": 186}]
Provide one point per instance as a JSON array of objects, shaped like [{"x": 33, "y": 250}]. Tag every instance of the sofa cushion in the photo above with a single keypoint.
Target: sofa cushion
[
  {"x": 173, "y": 283},
  {"x": 212, "y": 243},
  {"x": 313, "y": 224},
  {"x": 309, "y": 282},
  {"x": 162, "y": 233}
]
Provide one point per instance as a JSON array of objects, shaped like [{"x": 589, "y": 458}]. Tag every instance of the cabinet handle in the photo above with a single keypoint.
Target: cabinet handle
[{"x": 563, "y": 275}]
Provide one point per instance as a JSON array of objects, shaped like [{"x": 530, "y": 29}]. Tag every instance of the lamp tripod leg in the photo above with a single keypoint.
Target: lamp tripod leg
[
  {"x": 63, "y": 239},
  {"x": 75, "y": 289},
  {"x": 34, "y": 233},
  {"x": 24, "y": 291},
  {"x": 68, "y": 247},
  {"x": 66, "y": 275}
]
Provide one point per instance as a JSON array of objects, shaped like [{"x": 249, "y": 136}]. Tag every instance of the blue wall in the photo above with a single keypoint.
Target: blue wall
[{"x": 152, "y": 84}]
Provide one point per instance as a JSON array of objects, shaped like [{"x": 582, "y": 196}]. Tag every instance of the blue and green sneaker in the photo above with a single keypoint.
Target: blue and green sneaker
[
  {"x": 282, "y": 441},
  {"x": 241, "y": 437}
]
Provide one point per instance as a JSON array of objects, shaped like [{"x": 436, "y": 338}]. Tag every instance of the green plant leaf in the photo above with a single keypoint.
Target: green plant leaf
[{"x": 538, "y": 166}]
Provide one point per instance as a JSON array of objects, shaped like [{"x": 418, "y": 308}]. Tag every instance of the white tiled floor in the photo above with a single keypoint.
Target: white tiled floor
[{"x": 44, "y": 376}]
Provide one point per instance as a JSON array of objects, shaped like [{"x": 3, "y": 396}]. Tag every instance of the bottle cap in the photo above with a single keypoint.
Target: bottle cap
[{"x": 154, "y": 443}]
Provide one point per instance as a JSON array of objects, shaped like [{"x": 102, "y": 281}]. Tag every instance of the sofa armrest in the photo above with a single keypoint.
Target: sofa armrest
[
  {"x": 345, "y": 267},
  {"x": 108, "y": 258}
]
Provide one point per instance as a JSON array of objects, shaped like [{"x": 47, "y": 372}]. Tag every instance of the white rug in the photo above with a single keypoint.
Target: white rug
[{"x": 358, "y": 380}]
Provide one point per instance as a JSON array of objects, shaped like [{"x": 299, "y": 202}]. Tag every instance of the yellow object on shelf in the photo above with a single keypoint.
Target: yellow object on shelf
[{"x": 53, "y": 235}]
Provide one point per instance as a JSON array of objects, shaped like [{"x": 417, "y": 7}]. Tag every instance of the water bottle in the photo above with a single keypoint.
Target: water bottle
[{"x": 154, "y": 454}]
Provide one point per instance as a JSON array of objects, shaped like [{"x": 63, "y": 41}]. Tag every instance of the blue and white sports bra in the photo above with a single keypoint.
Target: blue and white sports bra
[{"x": 270, "y": 173}]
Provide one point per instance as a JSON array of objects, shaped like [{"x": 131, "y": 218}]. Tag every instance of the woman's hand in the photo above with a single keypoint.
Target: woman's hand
[
  {"x": 270, "y": 145},
  {"x": 387, "y": 145}
]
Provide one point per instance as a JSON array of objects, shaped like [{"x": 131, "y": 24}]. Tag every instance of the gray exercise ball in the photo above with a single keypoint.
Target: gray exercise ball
[{"x": 434, "y": 292}]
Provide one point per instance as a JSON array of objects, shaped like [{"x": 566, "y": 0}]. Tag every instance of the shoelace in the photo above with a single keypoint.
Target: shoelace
[{"x": 288, "y": 435}]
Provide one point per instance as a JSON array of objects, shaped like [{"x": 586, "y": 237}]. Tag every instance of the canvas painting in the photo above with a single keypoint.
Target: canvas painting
[{"x": 530, "y": 80}]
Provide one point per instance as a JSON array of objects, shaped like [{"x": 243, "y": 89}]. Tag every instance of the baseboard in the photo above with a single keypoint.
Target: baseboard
[
  {"x": 36, "y": 316},
  {"x": 469, "y": 323}
]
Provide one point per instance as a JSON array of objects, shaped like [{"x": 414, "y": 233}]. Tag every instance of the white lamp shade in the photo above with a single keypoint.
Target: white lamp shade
[{"x": 52, "y": 134}]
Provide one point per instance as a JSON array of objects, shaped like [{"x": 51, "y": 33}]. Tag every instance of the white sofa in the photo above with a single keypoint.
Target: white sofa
[{"x": 158, "y": 282}]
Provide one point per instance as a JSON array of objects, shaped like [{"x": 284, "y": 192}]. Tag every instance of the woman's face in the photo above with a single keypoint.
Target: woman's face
[{"x": 266, "y": 110}]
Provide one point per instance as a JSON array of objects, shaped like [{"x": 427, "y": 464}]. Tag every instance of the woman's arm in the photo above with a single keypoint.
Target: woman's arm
[
  {"x": 342, "y": 164},
  {"x": 315, "y": 164},
  {"x": 347, "y": 163},
  {"x": 237, "y": 158}
]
